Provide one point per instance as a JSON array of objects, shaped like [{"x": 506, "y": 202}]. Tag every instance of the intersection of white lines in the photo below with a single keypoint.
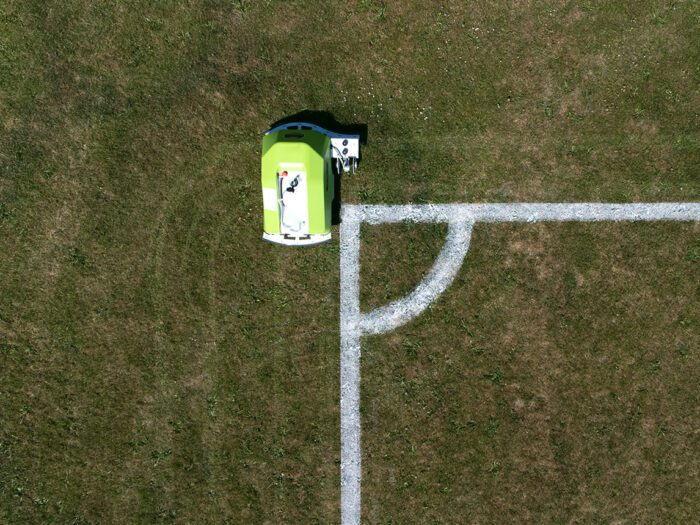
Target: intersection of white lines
[{"x": 460, "y": 219}]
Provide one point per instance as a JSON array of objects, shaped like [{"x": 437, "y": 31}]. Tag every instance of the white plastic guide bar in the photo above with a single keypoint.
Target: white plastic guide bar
[{"x": 460, "y": 219}]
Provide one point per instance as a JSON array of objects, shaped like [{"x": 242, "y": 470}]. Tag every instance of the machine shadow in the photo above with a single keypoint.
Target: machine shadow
[{"x": 326, "y": 120}]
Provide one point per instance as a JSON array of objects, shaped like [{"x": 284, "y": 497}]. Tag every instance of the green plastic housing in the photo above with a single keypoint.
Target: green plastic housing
[{"x": 299, "y": 150}]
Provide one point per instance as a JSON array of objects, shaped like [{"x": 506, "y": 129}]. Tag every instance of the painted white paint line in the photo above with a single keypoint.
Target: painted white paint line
[
  {"x": 350, "y": 453},
  {"x": 460, "y": 218},
  {"x": 528, "y": 212},
  {"x": 440, "y": 276}
]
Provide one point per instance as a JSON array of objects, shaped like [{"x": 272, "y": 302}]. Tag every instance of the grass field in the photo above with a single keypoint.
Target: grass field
[{"x": 159, "y": 363}]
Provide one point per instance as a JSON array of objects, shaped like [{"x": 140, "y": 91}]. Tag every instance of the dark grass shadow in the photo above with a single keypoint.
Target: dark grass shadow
[
  {"x": 326, "y": 120},
  {"x": 335, "y": 205}
]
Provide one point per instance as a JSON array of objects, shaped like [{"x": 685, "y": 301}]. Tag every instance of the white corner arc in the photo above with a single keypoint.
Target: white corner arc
[{"x": 435, "y": 282}]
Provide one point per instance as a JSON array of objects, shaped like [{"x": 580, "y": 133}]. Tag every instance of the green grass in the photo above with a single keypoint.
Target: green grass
[
  {"x": 553, "y": 382},
  {"x": 160, "y": 364}
]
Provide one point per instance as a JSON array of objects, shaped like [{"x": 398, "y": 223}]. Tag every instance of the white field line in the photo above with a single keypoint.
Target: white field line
[
  {"x": 525, "y": 212},
  {"x": 460, "y": 219},
  {"x": 440, "y": 276},
  {"x": 350, "y": 371}
]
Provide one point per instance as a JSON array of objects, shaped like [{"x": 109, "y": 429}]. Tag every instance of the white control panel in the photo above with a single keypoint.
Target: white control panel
[{"x": 294, "y": 204}]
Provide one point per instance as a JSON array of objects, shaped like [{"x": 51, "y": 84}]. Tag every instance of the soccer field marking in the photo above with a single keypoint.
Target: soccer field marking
[
  {"x": 460, "y": 219},
  {"x": 436, "y": 281}
]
